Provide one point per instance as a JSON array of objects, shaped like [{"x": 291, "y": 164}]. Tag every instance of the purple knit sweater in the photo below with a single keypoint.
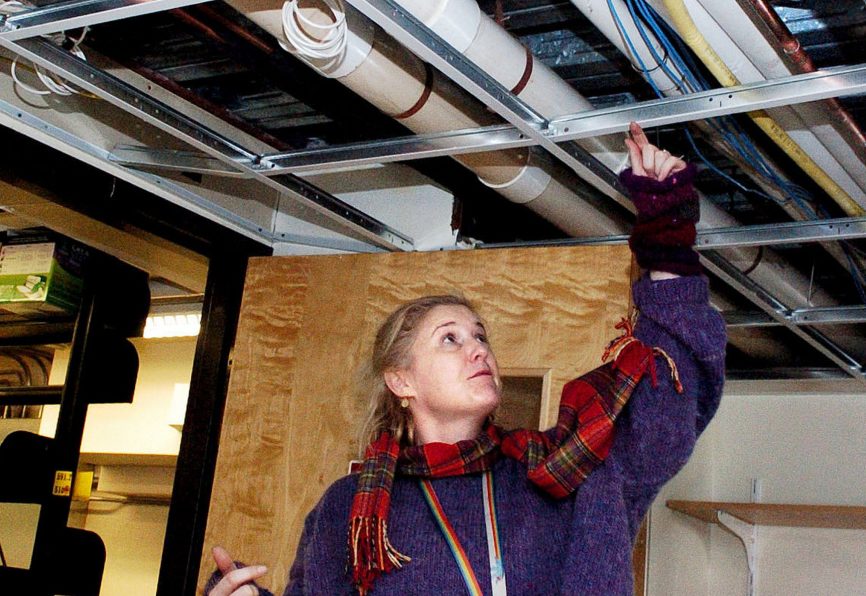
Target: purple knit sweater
[{"x": 578, "y": 545}]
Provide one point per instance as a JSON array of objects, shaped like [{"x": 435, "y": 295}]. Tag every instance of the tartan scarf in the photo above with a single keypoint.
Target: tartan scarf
[{"x": 557, "y": 460}]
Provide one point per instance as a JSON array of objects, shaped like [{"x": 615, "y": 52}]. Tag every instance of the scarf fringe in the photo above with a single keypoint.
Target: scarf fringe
[
  {"x": 618, "y": 346},
  {"x": 372, "y": 552}
]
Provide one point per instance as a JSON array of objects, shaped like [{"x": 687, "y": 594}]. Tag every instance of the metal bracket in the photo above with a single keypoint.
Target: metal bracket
[{"x": 748, "y": 535}]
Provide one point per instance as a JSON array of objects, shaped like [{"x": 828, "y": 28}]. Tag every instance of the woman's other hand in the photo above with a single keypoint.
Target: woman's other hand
[
  {"x": 647, "y": 159},
  {"x": 235, "y": 581}
]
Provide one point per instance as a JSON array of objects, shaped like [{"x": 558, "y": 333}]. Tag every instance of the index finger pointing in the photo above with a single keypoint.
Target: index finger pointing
[
  {"x": 637, "y": 134},
  {"x": 635, "y": 158}
]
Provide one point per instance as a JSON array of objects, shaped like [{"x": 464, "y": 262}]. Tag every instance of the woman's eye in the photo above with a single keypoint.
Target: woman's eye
[
  {"x": 449, "y": 338},
  {"x": 481, "y": 337}
]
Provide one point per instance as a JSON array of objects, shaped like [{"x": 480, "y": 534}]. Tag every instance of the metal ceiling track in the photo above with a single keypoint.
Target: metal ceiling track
[
  {"x": 420, "y": 40},
  {"x": 527, "y": 127},
  {"x": 128, "y": 98},
  {"x": 64, "y": 16},
  {"x": 796, "y": 232},
  {"x": 781, "y": 314},
  {"x": 827, "y": 230},
  {"x": 835, "y": 82},
  {"x": 835, "y": 315},
  {"x": 23, "y": 122}
]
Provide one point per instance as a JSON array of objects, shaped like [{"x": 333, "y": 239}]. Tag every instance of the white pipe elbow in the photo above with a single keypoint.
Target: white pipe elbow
[{"x": 526, "y": 186}]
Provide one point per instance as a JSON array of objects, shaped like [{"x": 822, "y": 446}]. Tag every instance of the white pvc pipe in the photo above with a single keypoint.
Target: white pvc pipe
[
  {"x": 733, "y": 19},
  {"x": 601, "y": 14},
  {"x": 393, "y": 79},
  {"x": 455, "y": 21},
  {"x": 503, "y": 57},
  {"x": 740, "y": 64}
]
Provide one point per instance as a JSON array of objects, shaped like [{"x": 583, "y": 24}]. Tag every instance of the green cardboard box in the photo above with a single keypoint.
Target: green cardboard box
[{"x": 40, "y": 279}]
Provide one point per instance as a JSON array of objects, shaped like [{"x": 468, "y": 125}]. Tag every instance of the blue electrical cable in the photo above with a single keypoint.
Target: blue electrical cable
[
  {"x": 677, "y": 79},
  {"x": 856, "y": 273},
  {"x": 728, "y": 129},
  {"x": 633, "y": 50},
  {"x": 692, "y": 79}
]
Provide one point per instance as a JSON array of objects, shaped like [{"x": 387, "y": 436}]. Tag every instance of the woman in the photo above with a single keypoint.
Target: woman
[{"x": 447, "y": 499}]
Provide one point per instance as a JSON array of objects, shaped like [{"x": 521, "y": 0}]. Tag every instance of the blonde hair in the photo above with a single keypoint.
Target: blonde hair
[{"x": 391, "y": 352}]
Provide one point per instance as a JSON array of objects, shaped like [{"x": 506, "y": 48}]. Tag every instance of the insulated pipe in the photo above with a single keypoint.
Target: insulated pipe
[
  {"x": 512, "y": 65},
  {"x": 573, "y": 216},
  {"x": 615, "y": 21},
  {"x": 686, "y": 27},
  {"x": 765, "y": 45},
  {"x": 407, "y": 89},
  {"x": 803, "y": 63}
]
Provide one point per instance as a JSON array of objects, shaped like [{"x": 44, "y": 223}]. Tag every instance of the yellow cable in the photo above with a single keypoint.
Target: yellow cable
[{"x": 696, "y": 41}]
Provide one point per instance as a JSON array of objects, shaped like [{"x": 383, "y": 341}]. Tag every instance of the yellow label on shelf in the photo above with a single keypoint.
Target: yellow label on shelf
[
  {"x": 82, "y": 486},
  {"x": 62, "y": 484}
]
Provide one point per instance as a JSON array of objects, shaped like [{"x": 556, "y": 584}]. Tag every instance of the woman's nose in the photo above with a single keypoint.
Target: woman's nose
[{"x": 479, "y": 350}]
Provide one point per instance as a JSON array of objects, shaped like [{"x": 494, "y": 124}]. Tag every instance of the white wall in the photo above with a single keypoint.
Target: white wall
[
  {"x": 141, "y": 427},
  {"x": 805, "y": 448},
  {"x": 139, "y": 433},
  {"x": 133, "y": 537}
]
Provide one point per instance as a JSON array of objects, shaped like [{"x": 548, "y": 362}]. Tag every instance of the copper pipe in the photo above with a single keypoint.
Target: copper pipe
[
  {"x": 219, "y": 111},
  {"x": 216, "y": 17},
  {"x": 803, "y": 63}
]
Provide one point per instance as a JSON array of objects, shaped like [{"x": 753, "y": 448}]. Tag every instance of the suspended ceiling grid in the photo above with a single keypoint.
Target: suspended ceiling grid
[{"x": 174, "y": 134}]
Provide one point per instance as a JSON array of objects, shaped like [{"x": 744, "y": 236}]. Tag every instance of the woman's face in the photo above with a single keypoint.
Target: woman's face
[{"x": 452, "y": 377}]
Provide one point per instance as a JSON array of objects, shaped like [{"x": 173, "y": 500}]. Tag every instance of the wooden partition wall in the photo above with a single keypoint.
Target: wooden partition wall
[{"x": 306, "y": 324}]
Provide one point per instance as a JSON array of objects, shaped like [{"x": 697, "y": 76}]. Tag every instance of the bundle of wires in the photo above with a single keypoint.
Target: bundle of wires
[
  {"x": 52, "y": 83},
  {"x": 321, "y": 41},
  {"x": 679, "y": 65}
]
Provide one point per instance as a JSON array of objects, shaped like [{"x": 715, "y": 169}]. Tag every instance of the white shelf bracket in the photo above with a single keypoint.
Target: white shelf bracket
[{"x": 748, "y": 535}]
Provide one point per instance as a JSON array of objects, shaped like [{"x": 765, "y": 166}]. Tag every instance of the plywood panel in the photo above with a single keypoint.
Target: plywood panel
[{"x": 306, "y": 324}]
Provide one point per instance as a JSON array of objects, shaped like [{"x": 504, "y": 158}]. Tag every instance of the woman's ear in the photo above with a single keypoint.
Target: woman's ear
[{"x": 398, "y": 383}]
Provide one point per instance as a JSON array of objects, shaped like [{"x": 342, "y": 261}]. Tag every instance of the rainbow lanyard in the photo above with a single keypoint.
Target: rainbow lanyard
[{"x": 497, "y": 569}]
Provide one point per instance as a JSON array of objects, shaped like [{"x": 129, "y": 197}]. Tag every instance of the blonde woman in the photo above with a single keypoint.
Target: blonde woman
[{"x": 448, "y": 503}]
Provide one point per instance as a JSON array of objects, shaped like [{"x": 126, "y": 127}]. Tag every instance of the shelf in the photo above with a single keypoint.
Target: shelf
[
  {"x": 770, "y": 514},
  {"x": 129, "y": 459}
]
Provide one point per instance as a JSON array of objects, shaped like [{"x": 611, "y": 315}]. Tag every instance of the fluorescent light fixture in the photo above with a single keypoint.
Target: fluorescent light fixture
[{"x": 172, "y": 325}]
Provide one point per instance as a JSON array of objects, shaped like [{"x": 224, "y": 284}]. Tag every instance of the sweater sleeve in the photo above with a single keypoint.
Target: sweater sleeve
[
  {"x": 659, "y": 427},
  {"x": 295, "y": 585},
  {"x": 320, "y": 565}
]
